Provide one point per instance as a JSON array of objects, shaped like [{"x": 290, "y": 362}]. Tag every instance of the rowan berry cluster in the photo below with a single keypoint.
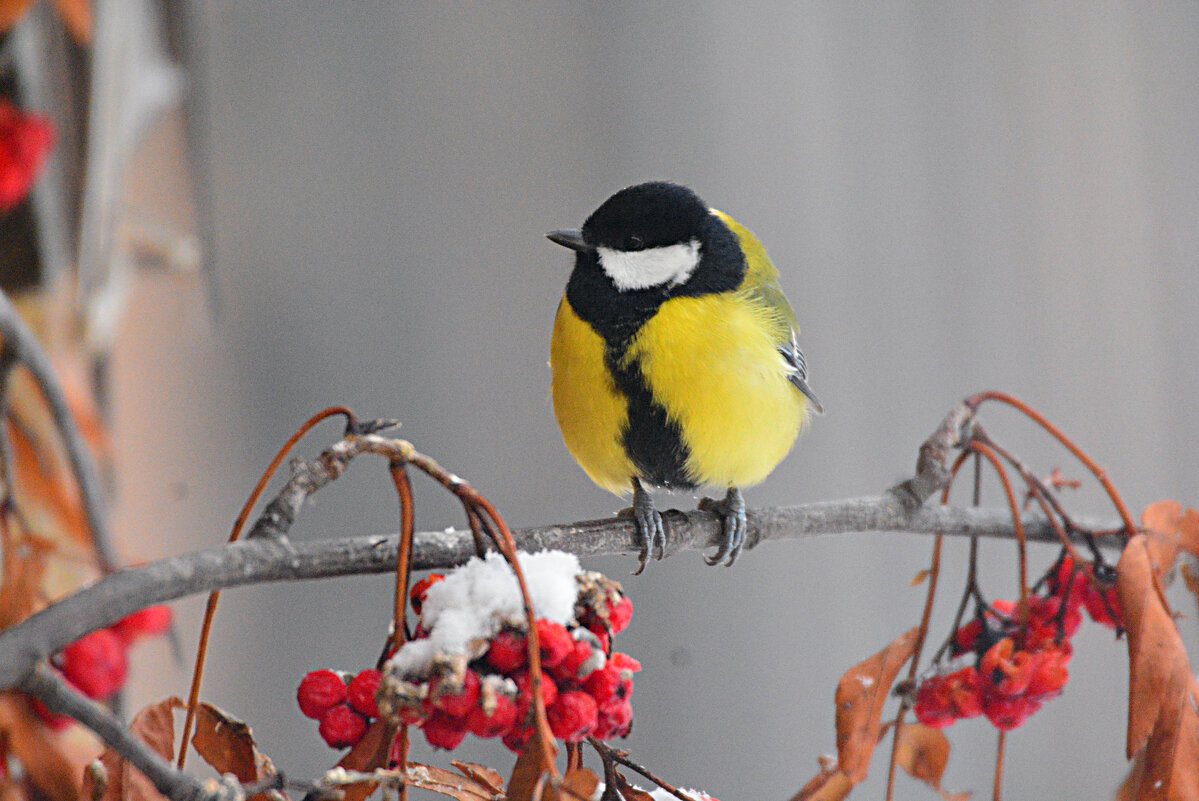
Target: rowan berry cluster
[
  {"x": 467, "y": 669},
  {"x": 97, "y": 664},
  {"x": 343, "y": 703},
  {"x": 1007, "y": 662}
]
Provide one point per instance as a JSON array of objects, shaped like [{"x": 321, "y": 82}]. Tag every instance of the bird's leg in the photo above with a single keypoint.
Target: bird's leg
[
  {"x": 732, "y": 515},
  {"x": 649, "y": 525}
]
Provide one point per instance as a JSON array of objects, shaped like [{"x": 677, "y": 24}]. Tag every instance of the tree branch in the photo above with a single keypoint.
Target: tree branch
[
  {"x": 46, "y": 685},
  {"x": 269, "y": 559},
  {"x": 26, "y": 349}
]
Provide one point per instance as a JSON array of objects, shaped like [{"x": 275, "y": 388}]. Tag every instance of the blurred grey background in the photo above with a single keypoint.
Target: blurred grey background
[{"x": 959, "y": 197}]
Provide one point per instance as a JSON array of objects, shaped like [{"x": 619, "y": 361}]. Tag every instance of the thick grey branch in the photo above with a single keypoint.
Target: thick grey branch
[
  {"x": 270, "y": 559},
  {"x": 45, "y": 684}
]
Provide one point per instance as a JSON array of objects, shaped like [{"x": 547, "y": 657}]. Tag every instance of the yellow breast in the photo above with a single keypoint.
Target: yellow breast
[
  {"x": 712, "y": 362},
  {"x": 590, "y": 411}
]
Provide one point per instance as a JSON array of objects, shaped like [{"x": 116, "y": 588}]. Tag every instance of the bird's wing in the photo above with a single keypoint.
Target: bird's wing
[{"x": 761, "y": 281}]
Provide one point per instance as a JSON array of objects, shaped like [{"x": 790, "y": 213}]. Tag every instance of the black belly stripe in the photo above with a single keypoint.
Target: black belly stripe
[{"x": 653, "y": 442}]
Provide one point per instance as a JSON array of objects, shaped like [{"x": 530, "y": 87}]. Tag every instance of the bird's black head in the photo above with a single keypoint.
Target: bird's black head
[
  {"x": 646, "y": 244},
  {"x": 646, "y": 216}
]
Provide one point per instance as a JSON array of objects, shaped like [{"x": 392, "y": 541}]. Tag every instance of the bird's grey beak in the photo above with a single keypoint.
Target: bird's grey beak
[{"x": 570, "y": 238}]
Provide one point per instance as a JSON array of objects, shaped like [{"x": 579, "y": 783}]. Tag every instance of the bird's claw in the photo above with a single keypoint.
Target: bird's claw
[
  {"x": 735, "y": 526},
  {"x": 650, "y": 531}
]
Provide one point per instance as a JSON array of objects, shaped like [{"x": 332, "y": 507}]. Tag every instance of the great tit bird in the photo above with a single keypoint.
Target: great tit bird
[{"x": 674, "y": 357}]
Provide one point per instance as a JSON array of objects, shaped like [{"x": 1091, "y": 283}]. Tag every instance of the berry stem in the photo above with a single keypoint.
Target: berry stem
[
  {"x": 193, "y": 696},
  {"x": 997, "y": 786},
  {"x": 974, "y": 401}
]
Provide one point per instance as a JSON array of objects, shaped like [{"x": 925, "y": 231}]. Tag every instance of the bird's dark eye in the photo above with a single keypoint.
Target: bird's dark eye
[{"x": 634, "y": 242}]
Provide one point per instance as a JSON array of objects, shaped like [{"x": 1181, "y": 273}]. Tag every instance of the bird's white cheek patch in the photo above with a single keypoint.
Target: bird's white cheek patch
[{"x": 641, "y": 269}]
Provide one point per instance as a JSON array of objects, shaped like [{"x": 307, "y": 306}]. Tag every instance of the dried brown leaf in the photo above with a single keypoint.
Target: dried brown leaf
[
  {"x": 1191, "y": 576},
  {"x": 76, "y": 16},
  {"x": 12, "y": 12},
  {"x": 629, "y": 792},
  {"x": 24, "y": 568},
  {"x": 578, "y": 783},
  {"x": 447, "y": 783},
  {"x": 860, "y": 697},
  {"x": 44, "y": 755},
  {"x": 527, "y": 772},
  {"x": 1163, "y": 719},
  {"x": 155, "y": 726},
  {"x": 371, "y": 752},
  {"x": 923, "y": 753},
  {"x": 920, "y": 577},
  {"x": 227, "y": 744},
  {"x": 481, "y": 774},
  {"x": 828, "y": 785}
]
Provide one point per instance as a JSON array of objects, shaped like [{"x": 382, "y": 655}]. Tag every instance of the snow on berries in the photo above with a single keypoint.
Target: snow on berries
[
  {"x": 1005, "y": 664},
  {"x": 467, "y": 670}
]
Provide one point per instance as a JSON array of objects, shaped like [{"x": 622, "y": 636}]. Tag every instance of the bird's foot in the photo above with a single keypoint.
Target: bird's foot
[
  {"x": 650, "y": 532},
  {"x": 732, "y": 515}
]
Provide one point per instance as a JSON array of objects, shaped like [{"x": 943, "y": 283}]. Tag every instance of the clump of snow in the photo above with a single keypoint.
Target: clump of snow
[{"x": 475, "y": 601}]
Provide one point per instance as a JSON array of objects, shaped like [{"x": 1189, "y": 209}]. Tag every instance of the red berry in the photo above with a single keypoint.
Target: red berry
[
  {"x": 625, "y": 662},
  {"x": 54, "y": 720},
  {"x": 524, "y": 687},
  {"x": 607, "y": 683},
  {"x": 320, "y": 691},
  {"x": 483, "y": 723},
  {"x": 453, "y": 698},
  {"x": 341, "y": 726},
  {"x": 25, "y": 142},
  {"x": 96, "y": 664},
  {"x": 362, "y": 691},
  {"x": 964, "y": 691},
  {"x": 517, "y": 737},
  {"x": 965, "y": 637},
  {"x": 614, "y": 720},
  {"x": 572, "y": 716},
  {"x": 1049, "y": 675},
  {"x": 579, "y": 663},
  {"x": 143, "y": 623},
  {"x": 444, "y": 731},
  {"x": 507, "y": 652},
  {"x": 1007, "y": 713},
  {"x": 1103, "y": 606},
  {"x": 1007, "y": 669},
  {"x": 933, "y": 706},
  {"x": 620, "y": 614},
  {"x": 417, "y": 594},
  {"x": 555, "y": 641}
]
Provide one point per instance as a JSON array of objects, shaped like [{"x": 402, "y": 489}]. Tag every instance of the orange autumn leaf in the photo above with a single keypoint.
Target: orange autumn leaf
[
  {"x": 1163, "y": 696},
  {"x": 12, "y": 12},
  {"x": 155, "y": 726},
  {"x": 481, "y": 774},
  {"x": 22, "y": 575},
  {"x": 460, "y": 786},
  {"x": 371, "y": 753},
  {"x": 530, "y": 766},
  {"x": 227, "y": 744},
  {"x": 923, "y": 753},
  {"x": 828, "y": 785},
  {"x": 46, "y": 756},
  {"x": 76, "y": 16},
  {"x": 860, "y": 697}
]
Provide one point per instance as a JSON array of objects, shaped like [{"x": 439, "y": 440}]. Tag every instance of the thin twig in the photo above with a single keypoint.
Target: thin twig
[
  {"x": 29, "y": 352},
  {"x": 607, "y": 753}
]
